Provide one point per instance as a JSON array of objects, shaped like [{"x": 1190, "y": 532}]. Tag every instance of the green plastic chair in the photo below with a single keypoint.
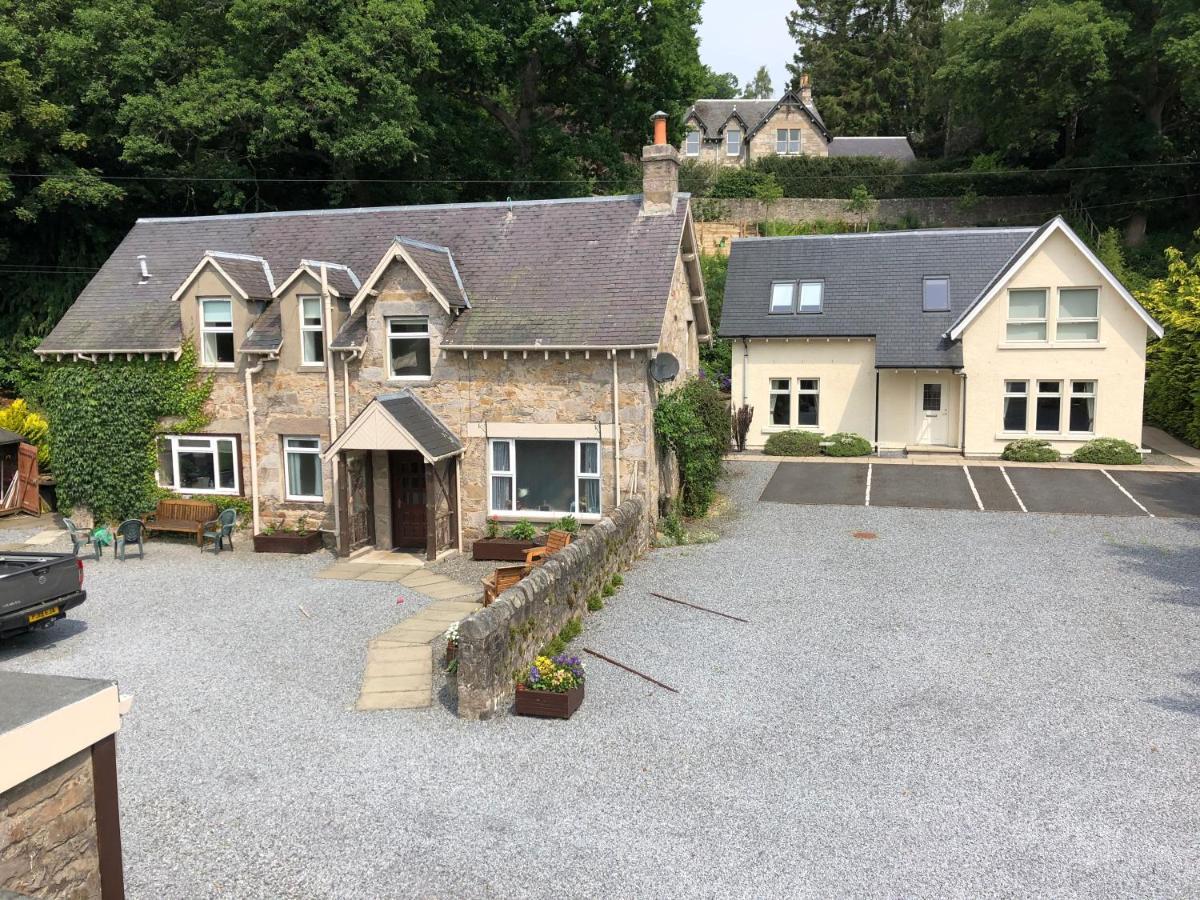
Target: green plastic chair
[
  {"x": 130, "y": 533},
  {"x": 219, "y": 530},
  {"x": 81, "y": 537}
]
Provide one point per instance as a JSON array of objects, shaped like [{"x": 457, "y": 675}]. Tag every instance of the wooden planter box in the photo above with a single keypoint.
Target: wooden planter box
[
  {"x": 283, "y": 542},
  {"x": 547, "y": 704},
  {"x": 501, "y": 549}
]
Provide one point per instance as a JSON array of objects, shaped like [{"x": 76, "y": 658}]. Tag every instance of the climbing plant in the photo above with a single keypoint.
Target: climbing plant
[
  {"x": 105, "y": 419},
  {"x": 693, "y": 423}
]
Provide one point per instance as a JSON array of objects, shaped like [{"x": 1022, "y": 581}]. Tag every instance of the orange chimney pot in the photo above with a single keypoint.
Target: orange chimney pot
[{"x": 660, "y": 127}]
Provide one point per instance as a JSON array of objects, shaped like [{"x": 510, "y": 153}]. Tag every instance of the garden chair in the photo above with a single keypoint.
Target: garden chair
[
  {"x": 81, "y": 537},
  {"x": 555, "y": 541},
  {"x": 500, "y": 581},
  {"x": 219, "y": 530},
  {"x": 130, "y": 533}
]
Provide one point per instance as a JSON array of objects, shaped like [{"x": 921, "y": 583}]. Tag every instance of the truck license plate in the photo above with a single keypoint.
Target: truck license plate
[{"x": 43, "y": 614}]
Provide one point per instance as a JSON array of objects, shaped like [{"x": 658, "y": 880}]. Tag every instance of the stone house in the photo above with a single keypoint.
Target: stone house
[
  {"x": 734, "y": 132},
  {"x": 401, "y": 374}
]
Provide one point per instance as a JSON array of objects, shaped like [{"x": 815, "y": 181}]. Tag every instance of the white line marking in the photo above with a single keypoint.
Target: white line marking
[
  {"x": 971, "y": 482},
  {"x": 1008, "y": 481},
  {"x": 1121, "y": 488},
  {"x": 870, "y": 466}
]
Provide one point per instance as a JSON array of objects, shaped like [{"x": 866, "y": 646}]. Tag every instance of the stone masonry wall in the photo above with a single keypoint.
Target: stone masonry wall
[
  {"x": 48, "y": 833},
  {"x": 497, "y": 643}
]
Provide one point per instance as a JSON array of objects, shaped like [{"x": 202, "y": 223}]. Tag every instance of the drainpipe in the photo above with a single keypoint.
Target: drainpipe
[
  {"x": 962, "y": 417},
  {"x": 616, "y": 432},
  {"x": 876, "y": 410},
  {"x": 330, "y": 380},
  {"x": 346, "y": 390},
  {"x": 251, "y": 371},
  {"x": 745, "y": 366}
]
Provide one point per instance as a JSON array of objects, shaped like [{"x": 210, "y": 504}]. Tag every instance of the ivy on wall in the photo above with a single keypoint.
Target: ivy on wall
[
  {"x": 105, "y": 419},
  {"x": 693, "y": 423}
]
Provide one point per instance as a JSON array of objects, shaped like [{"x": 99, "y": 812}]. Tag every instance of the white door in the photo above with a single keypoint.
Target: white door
[{"x": 933, "y": 413}]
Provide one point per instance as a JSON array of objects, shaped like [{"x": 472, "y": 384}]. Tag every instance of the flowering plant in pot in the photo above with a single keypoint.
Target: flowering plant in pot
[
  {"x": 451, "y": 643},
  {"x": 553, "y": 687}
]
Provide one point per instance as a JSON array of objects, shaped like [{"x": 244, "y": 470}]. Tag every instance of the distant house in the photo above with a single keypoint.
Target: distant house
[
  {"x": 404, "y": 373},
  {"x": 954, "y": 340},
  {"x": 734, "y": 132}
]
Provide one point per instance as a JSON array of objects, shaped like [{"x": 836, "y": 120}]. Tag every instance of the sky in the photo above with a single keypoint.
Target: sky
[{"x": 738, "y": 36}]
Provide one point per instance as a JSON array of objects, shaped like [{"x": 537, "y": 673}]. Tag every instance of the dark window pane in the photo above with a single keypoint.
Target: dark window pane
[
  {"x": 224, "y": 342},
  {"x": 1048, "y": 409},
  {"x": 410, "y": 356},
  {"x": 225, "y": 460},
  {"x": 196, "y": 470},
  {"x": 1082, "y": 413},
  {"x": 931, "y": 398},
  {"x": 546, "y": 476},
  {"x": 781, "y": 409},
  {"x": 806, "y": 409},
  {"x": 397, "y": 326},
  {"x": 1015, "y": 411}
]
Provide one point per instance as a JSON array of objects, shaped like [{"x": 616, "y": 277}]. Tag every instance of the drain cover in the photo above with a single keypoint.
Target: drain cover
[{"x": 864, "y": 535}]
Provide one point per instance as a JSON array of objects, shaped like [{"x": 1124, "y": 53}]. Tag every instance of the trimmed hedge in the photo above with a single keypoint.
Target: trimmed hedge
[
  {"x": 846, "y": 443},
  {"x": 1108, "y": 452},
  {"x": 794, "y": 443},
  {"x": 1030, "y": 450}
]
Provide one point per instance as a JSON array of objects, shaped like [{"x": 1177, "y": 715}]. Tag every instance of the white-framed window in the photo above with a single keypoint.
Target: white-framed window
[
  {"x": 783, "y": 297},
  {"x": 1016, "y": 406},
  {"x": 408, "y": 347},
  {"x": 1081, "y": 414},
  {"x": 1078, "y": 315},
  {"x": 554, "y": 477},
  {"x": 780, "y": 401},
  {"x": 691, "y": 144},
  {"x": 216, "y": 331},
  {"x": 199, "y": 464},
  {"x": 312, "y": 332},
  {"x": 733, "y": 142},
  {"x": 787, "y": 141},
  {"x": 935, "y": 295},
  {"x": 811, "y": 296},
  {"x": 1026, "y": 315},
  {"x": 808, "y": 401},
  {"x": 302, "y": 458},
  {"x": 1048, "y": 408}
]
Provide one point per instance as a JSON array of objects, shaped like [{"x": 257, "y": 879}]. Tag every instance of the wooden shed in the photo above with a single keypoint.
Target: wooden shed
[{"x": 19, "y": 477}]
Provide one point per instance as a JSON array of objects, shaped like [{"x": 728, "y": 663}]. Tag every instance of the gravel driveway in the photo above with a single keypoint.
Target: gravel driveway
[{"x": 966, "y": 705}]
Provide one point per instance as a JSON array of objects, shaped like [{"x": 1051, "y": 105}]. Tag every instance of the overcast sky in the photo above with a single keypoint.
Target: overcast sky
[{"x": 738, "y": 36}]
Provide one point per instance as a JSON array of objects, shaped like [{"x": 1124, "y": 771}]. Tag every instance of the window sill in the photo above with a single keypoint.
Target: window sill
[
  {"x": 411, "y": 379},
  {"x": 203, "y": 492},
  {"x": 1051, "y": 345},
  {"x": 311, "y": 367},
  {"x": 1076, "y": 436},
  {"x": 775, "y": 429},
  {"x": 217, "y": 367},
  {"x": 539, "y": 516},
  {"x": 291, "y": 499}
]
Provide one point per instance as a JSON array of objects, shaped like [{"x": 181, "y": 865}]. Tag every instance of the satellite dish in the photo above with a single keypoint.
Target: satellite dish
[{"x": 664, "y": 367}]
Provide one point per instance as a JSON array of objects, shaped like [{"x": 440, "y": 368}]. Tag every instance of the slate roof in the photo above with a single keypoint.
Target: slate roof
[
  {"x": 9, "y": 437},
  {"x": 421, "y": 423},
  {"x": 266, "y": 334},
  {"x": 873, "y": 286},
  {"x": 897, "y": 148},
  {"x": 713, "y": 114},
  {"x": 353, "y": 333},
  {"x": 438, "y": 265},
  {"x": 577, "y": 272},
  {"x": 252, "y": 273},
  {"x": 339, "y": 277}
]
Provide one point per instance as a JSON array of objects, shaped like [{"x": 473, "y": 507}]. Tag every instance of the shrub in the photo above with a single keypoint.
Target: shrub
[
  {"x": 608, "y": 590},
  {"x": 693, "y": 423},
  {"x": 794, "y": 443},
  {"x": 594, "y": 603},
  {"x": 1108, "y": 452},
  {"x": 559, "y": 642},
  {"x": 846, "y": 443},
  {"x": 1030, "y": 450},
  {"x": 569, "y": 524},
  {"x": 672, "y": 528},
  {"x": 20, "y": 419},
  {"x": 522, "y": 531},
  {"x": 617, "y": 580}
]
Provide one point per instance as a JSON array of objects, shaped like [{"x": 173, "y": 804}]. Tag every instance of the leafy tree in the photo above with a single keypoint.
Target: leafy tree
[
  {"x": 860, "y": 204},
  {"x": 715, "y": 360},
  {"x": 1173, "y": 363},
  {"x": 718, "y": 85},
  {"x": 759, "y": 87}
]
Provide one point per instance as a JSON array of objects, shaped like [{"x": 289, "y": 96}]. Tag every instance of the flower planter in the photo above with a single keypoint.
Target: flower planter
[
  {"x": 547, "y": 704},
  {"x": 501, "y": 549},
  {"x": 286, "y": 542},
  {"x": 451, "y": 651}
]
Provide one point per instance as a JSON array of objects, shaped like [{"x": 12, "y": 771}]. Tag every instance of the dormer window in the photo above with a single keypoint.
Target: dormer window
[
  {"x": 216, "y": 331},
  {"x": 936, "y": 295},
  {"x": 691, "y": 145},
  {"x": 793, "y": 297},
  {"x": 783, "y": 297},
  {"x": 811, "y": 296},
  {"x": 312, "y": 332},
  {"x": 733, "y": 142}
]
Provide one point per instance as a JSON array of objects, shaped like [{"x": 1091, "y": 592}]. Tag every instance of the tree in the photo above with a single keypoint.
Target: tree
[
  {"x": 1173, "y": 363},
  {"x": 759, "y": 87},
  {"x": 861, "y": 203},
  {"x": 718, "y": 85}
]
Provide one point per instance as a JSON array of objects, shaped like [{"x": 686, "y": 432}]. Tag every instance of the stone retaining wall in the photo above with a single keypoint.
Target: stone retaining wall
[
  {"x": 926, "y": 211},
  {"x": 497, "y": 643}
]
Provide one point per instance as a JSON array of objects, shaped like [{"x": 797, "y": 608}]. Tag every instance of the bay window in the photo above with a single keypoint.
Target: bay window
[
  {"x": 1016, "y": 405},
  {"x": 312, "y": 332},
  {"x": 1026, "y": 315},
  {"x": 303, "y": 469},
  {"x": 216, "y": 331},
  {"x": 554, "y": 477},
  {"x": 1082, "y": 413},
  {"x": 199, "y": 464},
  {"x": 1048, "y": 411},
  {"x": 408, "y": 347},
  {"x": 781, "y": 401},
  {"x": 1078, "y": 315}
]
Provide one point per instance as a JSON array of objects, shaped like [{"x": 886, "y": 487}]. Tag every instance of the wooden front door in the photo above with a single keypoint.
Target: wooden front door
[{"x": 407, "y": 475}]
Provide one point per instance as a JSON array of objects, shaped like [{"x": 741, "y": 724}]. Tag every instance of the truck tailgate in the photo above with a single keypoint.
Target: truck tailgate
[{"x": 27, "y": 579}]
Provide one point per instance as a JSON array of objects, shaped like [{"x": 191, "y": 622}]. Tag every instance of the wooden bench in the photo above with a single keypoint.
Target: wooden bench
[{"x": 182, "y": 516}]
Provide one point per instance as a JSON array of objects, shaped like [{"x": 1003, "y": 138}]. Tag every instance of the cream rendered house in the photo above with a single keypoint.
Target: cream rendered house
[{"x": 941, "y": 340}]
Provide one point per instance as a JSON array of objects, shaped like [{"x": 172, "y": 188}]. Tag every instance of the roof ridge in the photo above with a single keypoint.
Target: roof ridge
[{"x": 1013, "y": 229}]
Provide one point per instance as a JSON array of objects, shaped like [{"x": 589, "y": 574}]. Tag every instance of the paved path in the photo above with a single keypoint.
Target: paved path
[
  {"x": 1164, "y": 443},
  {"x": 399, "y": 672}
]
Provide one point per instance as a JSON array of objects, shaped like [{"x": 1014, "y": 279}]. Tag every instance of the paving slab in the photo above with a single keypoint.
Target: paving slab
[
  {"x": 420, "y": 699},
  {"x": 380, "y": 653},
  {"x": 421, "y": 577},
  {"x": 379, "y": 574},
  {"x": 452, "y": 590},
  {"x": 44, "y": 537},
  {"x": 817, "y": 484},
  {"x": 396, "y": 669},
  {"x": 390, "y": 684},
  {"x": 922, "y": 487}
]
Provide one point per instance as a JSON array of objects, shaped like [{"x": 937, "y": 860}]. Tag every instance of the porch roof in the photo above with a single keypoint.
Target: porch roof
[{"x": 398, "y": 421}]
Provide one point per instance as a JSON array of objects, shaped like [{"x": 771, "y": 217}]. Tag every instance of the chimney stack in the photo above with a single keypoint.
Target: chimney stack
[
  {"x": 660, "y": 171},
  {"x": 805, "y": 89}
]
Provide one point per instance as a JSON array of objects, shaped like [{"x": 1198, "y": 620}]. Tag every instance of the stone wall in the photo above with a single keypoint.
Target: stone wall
[
  {"x": 497, "y": 643},
  {"x": 925, "y": 211},
  {"x": 48, "y": 833}
]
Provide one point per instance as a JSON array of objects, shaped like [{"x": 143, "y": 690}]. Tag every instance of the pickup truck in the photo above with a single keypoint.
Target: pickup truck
[{"x": 37, "y": 589}]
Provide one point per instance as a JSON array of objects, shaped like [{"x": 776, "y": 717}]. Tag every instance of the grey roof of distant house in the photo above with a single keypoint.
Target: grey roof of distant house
[
  {"x": 713, "y": 114},
  {"x": 897, "y": 148},
  {"x": 9, "y": 437},
  {"x": 421, "y": 423},
  {"x": 252, "y": 275},
  {"x": 438, "y": 265},
  {"x": 266, "y": 334},
  {"x": 578, "y": 272},
  {"x": 873, "y": 286}
]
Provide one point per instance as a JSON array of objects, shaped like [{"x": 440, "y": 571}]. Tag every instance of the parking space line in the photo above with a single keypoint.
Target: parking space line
[
  {"x": 971, "y": 482},
  {"x": 1121, "y": 488},
  {"x": 1008, "y": 481},
  {"x": 870, "y": 467}
]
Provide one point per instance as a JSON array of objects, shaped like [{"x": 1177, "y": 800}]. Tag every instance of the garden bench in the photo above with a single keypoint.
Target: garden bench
[
  {"x": 500, "y": 581},
  {"x": 182, "y": 516}
]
